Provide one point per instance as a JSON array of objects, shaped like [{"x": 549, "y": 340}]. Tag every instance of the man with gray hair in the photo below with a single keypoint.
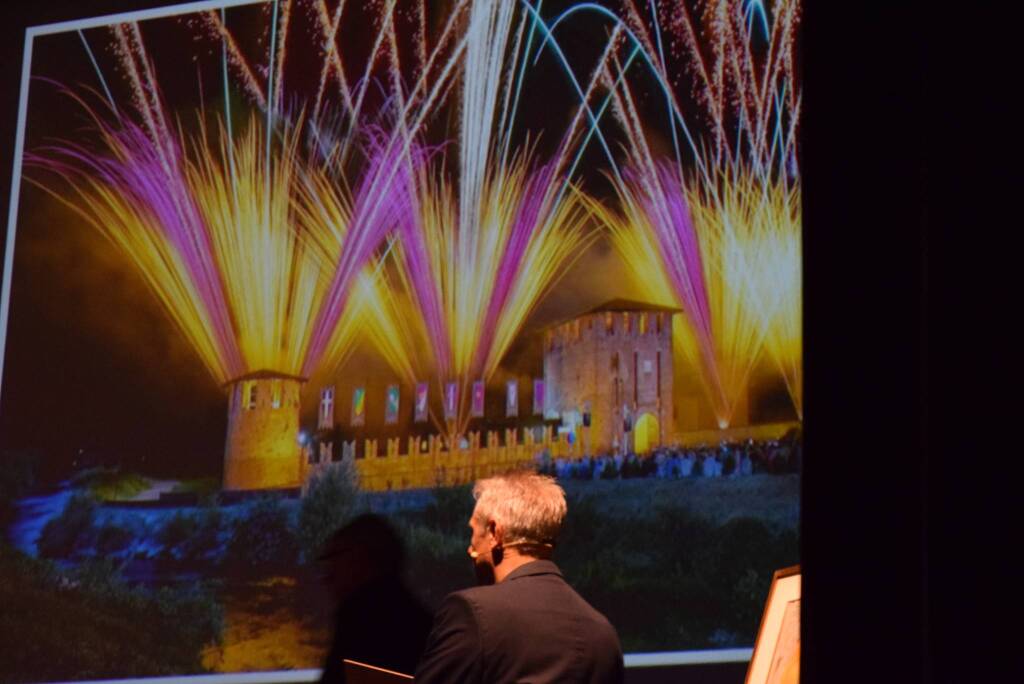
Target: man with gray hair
[{"x": 525, "y": 623}]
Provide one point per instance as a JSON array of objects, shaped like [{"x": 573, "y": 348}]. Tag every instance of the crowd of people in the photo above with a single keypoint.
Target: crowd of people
[{"x": 727, "y": 459}]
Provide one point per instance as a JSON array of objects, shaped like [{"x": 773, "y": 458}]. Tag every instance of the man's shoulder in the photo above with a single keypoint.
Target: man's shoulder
[
  {"x": 475, "y": 597},
  {"x": 534, "y": 588},
  {"x": 535, "y": 605},
  {"x": 502, "y": 595}
]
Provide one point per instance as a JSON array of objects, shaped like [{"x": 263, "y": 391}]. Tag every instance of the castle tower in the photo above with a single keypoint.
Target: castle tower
[
  {"x": 616, "y": 361},
  {"x": 262, "y": 449}
]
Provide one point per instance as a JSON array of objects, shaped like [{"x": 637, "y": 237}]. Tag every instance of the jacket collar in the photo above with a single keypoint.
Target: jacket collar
[{"x": 537, "y": 567}]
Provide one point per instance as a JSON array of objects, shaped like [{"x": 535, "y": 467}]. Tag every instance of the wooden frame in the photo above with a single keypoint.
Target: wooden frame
[
  {"x": 776, "y": 657},
  {"x": 361, "y": 673}
]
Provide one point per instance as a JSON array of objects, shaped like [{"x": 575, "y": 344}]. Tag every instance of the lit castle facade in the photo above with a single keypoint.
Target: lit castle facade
[{"x": 612, "y": 367}]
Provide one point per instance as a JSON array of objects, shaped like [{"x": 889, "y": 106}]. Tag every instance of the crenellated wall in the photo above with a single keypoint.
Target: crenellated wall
[{"x": 384, "y": 467}]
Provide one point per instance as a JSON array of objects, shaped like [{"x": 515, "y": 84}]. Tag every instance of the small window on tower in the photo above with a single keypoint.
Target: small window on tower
[
  {"x": 275, "y": 394},
  {"x": 661, "y": 322},
  {"x": 642, "y": 323},
  {"x": 627, "y": 323},
  {"x": 609, "y": 323},
  {"x": 251, "y": 394}
]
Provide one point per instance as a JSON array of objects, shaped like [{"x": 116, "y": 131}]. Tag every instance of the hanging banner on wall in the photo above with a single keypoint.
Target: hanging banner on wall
[
  {"x": 538, "y": 397},
  {"x": 358, "y": 407},
  {"x": 477, "y": 408},
  {"x": 391, "y": 405},
  {"x": 325, "y": 417},
  {"x": 421, "y": 403},
  {"x": 451, "y": 401},
  {"x": 512, "y": 399}
]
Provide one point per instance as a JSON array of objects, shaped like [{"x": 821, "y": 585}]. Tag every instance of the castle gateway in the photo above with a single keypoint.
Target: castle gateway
[{"x": 608, "y": 375}]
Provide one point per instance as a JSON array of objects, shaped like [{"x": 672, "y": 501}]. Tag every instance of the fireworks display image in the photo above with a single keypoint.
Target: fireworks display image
[{"x": 276, "y": 263}]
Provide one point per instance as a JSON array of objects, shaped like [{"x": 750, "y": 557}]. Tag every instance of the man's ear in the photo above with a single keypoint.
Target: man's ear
[{"x": 496, "y": 531}]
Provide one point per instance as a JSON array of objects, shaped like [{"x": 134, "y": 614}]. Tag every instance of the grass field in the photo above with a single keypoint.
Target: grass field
[
  {"x": 772, "y": 499},
  {"x": 112, "y": 484}
]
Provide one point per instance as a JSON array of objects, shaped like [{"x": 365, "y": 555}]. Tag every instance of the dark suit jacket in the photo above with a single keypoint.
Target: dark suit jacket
[{"x": 531, "y": 628}]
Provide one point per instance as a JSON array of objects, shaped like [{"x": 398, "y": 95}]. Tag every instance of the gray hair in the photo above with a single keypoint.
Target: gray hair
[{"x": 528, "y": 506}]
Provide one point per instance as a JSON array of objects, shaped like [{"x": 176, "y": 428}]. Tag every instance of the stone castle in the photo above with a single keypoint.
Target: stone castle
[{"x": 608, "y": 376}]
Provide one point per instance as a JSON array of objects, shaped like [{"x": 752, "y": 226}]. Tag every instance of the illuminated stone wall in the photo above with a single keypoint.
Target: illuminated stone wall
[
  {"x": 392, "y": 464},
  {"x": 262, "y": 449},
  {"x": 617, "y": 361}
]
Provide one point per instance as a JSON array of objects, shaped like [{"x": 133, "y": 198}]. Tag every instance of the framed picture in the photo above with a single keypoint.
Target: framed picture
[{"x": 776, "y": 658}]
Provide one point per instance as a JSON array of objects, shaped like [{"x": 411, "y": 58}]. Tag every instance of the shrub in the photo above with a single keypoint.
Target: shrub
[
  {"x": 437, "y": 555},
  {"x": 73, "y": 529},
  {"x": 205, "y": 541},
  {"x": 90, "y": 625},
  {"x": 717, "y": 575},
  {"x": 100, "y": 578},
  {"x": 583, "y": 522},
  {"x": 112, "y": 538},
  {"x": 188, "y": 536},
  {"x": 177, "y": 530},
  {"x": 450, "y": 510},
  {"x": 687, "y": 533},
  {"x": 328, "y": 503},
  {"x": 197, "y": 617},
  {"x": 263, "y": 536},
  {"x": 737, "y": 564}
]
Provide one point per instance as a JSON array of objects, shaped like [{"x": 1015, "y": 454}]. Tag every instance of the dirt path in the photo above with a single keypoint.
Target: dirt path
[
  {"x": 156, "y": 488},
  {"x": 263, "y": 632}
]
